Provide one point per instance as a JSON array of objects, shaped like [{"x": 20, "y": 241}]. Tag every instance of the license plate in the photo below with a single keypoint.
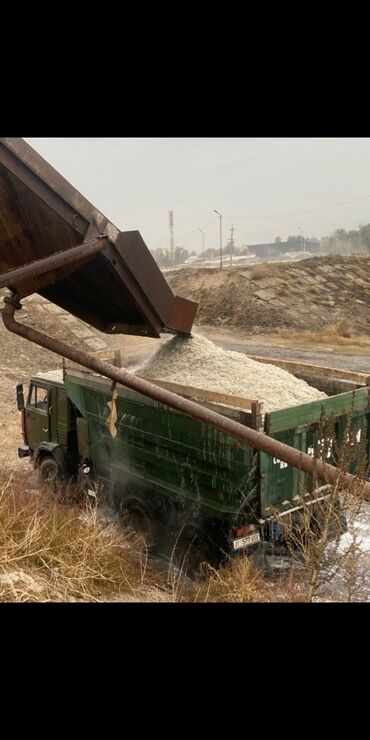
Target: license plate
[{"x": 249, "y": 539}]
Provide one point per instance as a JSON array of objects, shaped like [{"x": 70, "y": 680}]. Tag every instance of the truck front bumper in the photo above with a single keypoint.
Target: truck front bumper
[{"x": 24, "y": 451}]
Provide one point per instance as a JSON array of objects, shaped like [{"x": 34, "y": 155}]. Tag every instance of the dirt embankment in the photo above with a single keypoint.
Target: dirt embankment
[{"x": 262, "y": 299}]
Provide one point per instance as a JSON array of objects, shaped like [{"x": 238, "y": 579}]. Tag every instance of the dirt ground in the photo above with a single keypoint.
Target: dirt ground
[
  {"x": 345, "y": 356},
  {"x": 271, "y": 297}
]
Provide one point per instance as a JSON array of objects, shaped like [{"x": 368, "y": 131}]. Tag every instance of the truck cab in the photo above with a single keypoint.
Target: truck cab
[{"x": 49, "y": 423}]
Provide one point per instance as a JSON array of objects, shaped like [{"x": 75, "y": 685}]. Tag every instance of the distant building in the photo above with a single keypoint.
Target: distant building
[{"x": 275, "y": 250}]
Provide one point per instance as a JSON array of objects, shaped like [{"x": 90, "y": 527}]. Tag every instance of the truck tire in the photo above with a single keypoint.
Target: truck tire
[
  {"x": 49, "y": 473},
  {"x": 194, "y": 548},
  {"x": 138, "y": 515}
]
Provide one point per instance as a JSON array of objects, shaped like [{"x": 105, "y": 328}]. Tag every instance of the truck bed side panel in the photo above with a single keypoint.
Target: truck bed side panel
[
  {"x": 316, "y": 428},
  {"x": 171, "y": 453}
]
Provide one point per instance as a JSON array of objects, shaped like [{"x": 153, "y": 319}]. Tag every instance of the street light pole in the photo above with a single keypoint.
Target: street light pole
[
  {"x": 220, "y": 215},
  {"x": 202, "y": 232}
]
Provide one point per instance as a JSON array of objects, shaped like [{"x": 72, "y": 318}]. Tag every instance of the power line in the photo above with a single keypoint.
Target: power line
[
  {"x": 193, "y": 230},
  {"x": 311, "y": 210}
]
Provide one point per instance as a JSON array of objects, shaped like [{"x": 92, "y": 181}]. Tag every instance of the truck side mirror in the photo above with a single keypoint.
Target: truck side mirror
[{"x": 20, "y": 397}]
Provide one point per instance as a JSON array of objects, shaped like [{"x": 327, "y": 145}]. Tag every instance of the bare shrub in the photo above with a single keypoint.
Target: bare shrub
[
  {"x": 259, "y": 272},
  {"x": 237, "y": 581},
  {"x": 344, "y": 328}
]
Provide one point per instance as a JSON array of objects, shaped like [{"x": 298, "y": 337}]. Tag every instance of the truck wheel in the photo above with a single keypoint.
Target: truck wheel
[
  {"x": 49, "y": 473},
  {"x": 137, "y": 515},
  {"x": 195, "y": 548}
]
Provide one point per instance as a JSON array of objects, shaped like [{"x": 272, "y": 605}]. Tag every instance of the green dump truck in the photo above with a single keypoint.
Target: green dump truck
[{"x": 180, "y": 479}]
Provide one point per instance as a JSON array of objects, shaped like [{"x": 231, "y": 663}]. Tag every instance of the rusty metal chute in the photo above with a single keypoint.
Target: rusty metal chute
[{"x": 116, "y": 285}]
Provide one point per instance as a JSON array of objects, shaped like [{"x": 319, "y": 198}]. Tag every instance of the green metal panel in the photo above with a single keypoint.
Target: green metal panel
[
  {"x": 53, "y": 413},
  {"x": 172, "y": 453},
  {"x": 317, "y": 428},
  {"x": 37, "y": 413},
  {"x": 183, "y": 458},
  {"x": 83, "y": 437},
  {"x": 309, "y": 413},
  {"x": 281, "y": 482},
  {"x": 63, "y": 418}
]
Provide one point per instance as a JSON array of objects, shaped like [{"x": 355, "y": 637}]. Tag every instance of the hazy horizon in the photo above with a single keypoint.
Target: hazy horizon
[{"x": 265, "y": 187}]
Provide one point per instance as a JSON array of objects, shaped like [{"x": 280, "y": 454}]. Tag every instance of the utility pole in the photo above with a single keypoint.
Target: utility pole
[
  {"x": 202, "y": 232},
  {"x": 220, "y": 215},
  {"x": 231, "y": 245},
  {"x": 172, "y": 235},
  {"x": 303, "y": 239}
]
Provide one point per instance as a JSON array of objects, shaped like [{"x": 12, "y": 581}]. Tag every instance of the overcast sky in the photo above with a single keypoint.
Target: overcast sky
[{"x": 264, "y": 187}]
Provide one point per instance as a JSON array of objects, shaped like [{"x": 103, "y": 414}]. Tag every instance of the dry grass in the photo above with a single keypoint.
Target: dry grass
[
  {"x": 339, "y": 334},
  {"x": 53, "y": 551},
  {"x": 238, "y": 581},
  {"x": 260, "y": 272},
  {"x": 344, "y": 329},
  {"x": 324, "y": 567},
  {"x": 314, "y": 289}
]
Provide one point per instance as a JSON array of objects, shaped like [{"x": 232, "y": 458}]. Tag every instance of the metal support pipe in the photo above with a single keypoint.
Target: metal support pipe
[
  {"x": 243, "y": 434},
  {"x": 52, "y": 262}
]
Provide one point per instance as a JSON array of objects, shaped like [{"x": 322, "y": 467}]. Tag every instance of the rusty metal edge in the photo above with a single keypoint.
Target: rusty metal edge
[
  {"x": 52, "y": 262},
  {"x": 35, "y": 172}
]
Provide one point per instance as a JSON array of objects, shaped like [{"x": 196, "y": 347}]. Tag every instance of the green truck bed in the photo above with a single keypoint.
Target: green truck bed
[{"x": 178, "y": 456}]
